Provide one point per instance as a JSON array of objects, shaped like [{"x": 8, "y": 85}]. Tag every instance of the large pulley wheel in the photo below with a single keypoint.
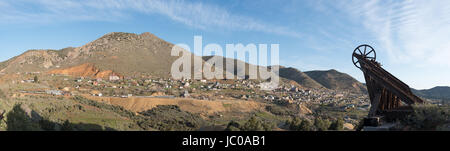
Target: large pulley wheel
[{"x": 366, "y": 51}]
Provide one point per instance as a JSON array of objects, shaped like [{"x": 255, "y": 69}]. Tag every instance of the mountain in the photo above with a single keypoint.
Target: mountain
[
  {"x": 236, "y": 62},
  {"x": 299, "y": 77},
  {"x": 128, "y": 54},
  {"x": 123, "y": 53},
  {"x": 440, "y": 92},
  {"x": 335, "y": 80}
]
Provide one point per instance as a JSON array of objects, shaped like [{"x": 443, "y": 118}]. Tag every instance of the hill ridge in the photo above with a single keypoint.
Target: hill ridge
[
  {"x": 131, "y": 54},
  {"x": 335, "y": 80}
]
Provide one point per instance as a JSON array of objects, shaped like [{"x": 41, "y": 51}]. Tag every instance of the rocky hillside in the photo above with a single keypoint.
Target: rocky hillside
[
  {"x": 246, "y": 69},
  {"x": 335, "y": 80},
  {"x": 125, "y": 53},
  {"x": 229, "y": 61},
  {"x": 299, "y": 77}
]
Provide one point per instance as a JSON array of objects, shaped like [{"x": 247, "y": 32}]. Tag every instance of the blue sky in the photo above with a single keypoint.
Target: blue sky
[{"x": 412, "y": 38}]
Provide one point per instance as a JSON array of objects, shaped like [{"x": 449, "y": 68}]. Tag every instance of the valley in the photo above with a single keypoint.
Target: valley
[{"x": 122, "y": 82}]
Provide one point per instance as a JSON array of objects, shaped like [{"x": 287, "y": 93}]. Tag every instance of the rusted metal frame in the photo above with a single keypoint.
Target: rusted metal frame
[
  {"x": 374, "y": 94},
  {"x": 367, "y": 67},
  {"x": 396, "y": 101},
  {"x": 407, "y": 98},
  {"x": 375, "y": 104},
  {"x": 385, "y": 100},
  {"x": 370, "y": 88},
  {"x": 386, "y": 76},
  {"x": 417, "y": 99},
  {"x": 381, "y": 71},
  {"x": 386, "y": 92},
  {"x": 390, "y": 101},
  {"x": 403, "y": 85},
  {"x": 382, "y": 100}
]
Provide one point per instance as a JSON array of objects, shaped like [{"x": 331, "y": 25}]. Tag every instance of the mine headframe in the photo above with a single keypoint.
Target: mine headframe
[{"x": 388, "y": 95}]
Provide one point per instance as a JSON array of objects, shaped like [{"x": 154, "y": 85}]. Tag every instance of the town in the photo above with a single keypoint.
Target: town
[{"x": 114, "y": 86}]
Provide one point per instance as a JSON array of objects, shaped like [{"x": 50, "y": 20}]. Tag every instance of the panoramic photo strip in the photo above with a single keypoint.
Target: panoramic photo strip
[{"x": 235, "y": 74}]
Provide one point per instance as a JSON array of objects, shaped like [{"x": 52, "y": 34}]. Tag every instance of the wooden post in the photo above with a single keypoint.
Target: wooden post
[{"x": 375, "y": 104}]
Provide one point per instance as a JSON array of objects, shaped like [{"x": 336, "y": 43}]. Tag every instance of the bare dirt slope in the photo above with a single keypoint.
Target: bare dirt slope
[
  {"x": 203, "y": 107},
  {"x": 84, "y": 70}
]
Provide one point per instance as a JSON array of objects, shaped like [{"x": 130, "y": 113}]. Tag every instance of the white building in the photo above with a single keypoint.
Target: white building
[{"x": 114, "y": 78}]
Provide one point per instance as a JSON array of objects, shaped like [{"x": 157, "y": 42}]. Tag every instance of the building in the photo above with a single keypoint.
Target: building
[
  {"x": 53, "y": 92},
  {"x": 96, "y": 93},
  {"x": 27, "y": 81},
  {"x": 114, "y": 78},
  {"x": 186, "y": 94}
]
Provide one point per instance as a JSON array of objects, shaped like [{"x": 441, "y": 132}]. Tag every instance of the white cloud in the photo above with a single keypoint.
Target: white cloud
[{"x": 197, "y": 15}]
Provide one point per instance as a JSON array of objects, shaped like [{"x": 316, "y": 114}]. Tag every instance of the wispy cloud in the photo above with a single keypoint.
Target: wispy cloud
[
  {"x": 411, "y": 32},
  {"x": 193, "y": 14},
  {"x": 51, "y": 11}
]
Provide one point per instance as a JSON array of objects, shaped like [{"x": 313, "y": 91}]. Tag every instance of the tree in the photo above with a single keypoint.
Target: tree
[
  {"x": 67, "y": 126},
  {"x": 36, "y": 79},
  {"x": 321, "y": 124},
  {"x": 18, "y": 120},
  {"x": 298, "y": 124},
  {"x": 294, "y": 124},
  {"x": 254, "y": 124},
  {"x": 233, "y": 126},
  {"x": 306, "y": 125},
  {"x": 46, "y": 125},
  {"x": 337, "y": 125}
]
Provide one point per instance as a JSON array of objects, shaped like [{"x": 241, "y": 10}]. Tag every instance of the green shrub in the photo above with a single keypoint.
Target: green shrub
[
  {"x": 67, "y": 126},
  {"x": 427, "y": 117},
  {"x": 233, "y": 126},
  {"x": 170, "y": 117},
  {"x": 321, "y": 124},
  {"x": 306, "y": 125},
  {"x": 18, "y": 120},
  {"x": 294, "y": 124},
  {"x": 253, "y": 124},
  {"x": 298, "y": 124}
]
